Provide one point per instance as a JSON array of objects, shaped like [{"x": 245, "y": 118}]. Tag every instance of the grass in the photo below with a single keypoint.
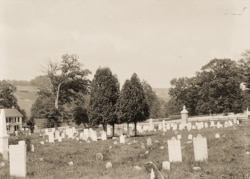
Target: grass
[{"x": 227, "y": 157}]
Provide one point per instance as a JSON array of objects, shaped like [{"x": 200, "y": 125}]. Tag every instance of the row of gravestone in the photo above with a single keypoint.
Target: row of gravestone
[
  {"x": 199, "y": 145},
  {"x": 189, "y": 126}
]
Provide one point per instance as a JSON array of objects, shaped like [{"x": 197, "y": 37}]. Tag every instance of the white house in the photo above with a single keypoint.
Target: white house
[{"x": 13, "y": 120}]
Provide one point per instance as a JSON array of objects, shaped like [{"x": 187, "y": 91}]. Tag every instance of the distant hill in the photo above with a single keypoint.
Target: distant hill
[
  {"x": 162, "y": 93},
  {"x": 26, "y": 96}
]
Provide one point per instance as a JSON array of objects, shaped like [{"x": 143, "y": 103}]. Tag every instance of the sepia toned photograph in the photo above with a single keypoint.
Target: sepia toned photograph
[{"x": 125, "y": 89}]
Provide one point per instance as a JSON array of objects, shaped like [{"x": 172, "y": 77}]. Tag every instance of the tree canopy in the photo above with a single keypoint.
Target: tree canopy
[
  {"x": 132, "y": 104},
  {"x": 215, "y": 89},
  {"x": 104, "y": 94}
]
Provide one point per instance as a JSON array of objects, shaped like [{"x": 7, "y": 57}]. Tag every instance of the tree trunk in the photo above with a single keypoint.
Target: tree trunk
[
  {"x": 57, "y": 95},
  {"x": 113, "y": 125},
  {"x": 128, "y": 130},
  {"x": 104, "y": 125},
  {"x": 135, "y": 129}
]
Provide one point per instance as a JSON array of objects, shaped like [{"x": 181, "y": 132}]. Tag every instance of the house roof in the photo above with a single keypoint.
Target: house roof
[{"x": 12, "y": 113}]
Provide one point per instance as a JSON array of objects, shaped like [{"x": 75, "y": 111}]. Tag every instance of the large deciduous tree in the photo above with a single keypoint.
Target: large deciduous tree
[
  {"x": 104, "y": 94},
  {"x": 67, "y": 79},
  {"x": 132, "y": 104}
]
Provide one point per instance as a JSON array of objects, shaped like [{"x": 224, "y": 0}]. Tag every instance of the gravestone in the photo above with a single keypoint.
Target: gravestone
[
  {"x": 212, "y": 124},
  {"x": 32, "y": 148},
  {"x": 149, "y": 142},
  {"x": 63, "y": 135},
  {"x": 51, "y": 137},
  {"x": 168, "y": 126},
  {"x": 86, "y": 133},
  {"x": 109, "y": 131},
  {"x": 217, "y": 136},
  {"x": 166, "y": 165},
  {"x": 59, "y": 139},
  {"x": 206, "y": 125},
  {"x": 151, "y": 125},
  {"x": 200, "y": 148},
  {"x": 190, "y": 137},
  {"x": 164, "y": 126},
  {"x": 174, "y": 150},
  {"x": 179, "y": 137},
  {"x": 17, "y": 154},
  {"x": 122, "y": 139},
  {"x": 3, "y": 136},
  {"x": 57, "y": 134},
  {"x": 94, "y": 135},
  {"x": 104, "y": 135},
  {"x": 81, "y": 135}
]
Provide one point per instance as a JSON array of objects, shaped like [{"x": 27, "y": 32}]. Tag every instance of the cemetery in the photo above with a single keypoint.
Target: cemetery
[{"x": 164, "y": 150}]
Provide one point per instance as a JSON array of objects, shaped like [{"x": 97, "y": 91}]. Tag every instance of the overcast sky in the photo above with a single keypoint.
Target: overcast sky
[{"x": 157, "y": 39}]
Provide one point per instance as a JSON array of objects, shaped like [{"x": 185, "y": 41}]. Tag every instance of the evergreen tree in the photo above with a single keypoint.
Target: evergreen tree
[
  {"x": 132, "y": 105},
  {"x": 103, "y": 98}
]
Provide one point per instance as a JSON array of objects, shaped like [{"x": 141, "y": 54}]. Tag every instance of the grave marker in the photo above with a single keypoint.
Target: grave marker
[
  {"x": 17, "y": 155},
  {"x": 200, "y": 148},
  {"x": 174, "y": 150}
]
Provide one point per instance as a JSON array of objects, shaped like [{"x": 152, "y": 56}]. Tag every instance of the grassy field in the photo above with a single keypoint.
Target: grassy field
[{"x": 227, "y": 157}]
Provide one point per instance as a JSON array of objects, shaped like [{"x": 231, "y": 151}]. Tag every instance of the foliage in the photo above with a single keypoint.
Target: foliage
[
  {"x": 44, "y": 104},
  {"x": 215, "y": 89},
  {"x": 132, "y": 104},
  {"x": 80, "y": 116},
  {"x": 68, "y": 79},
  {"x": 152, "y": 100},
  {"x": 31, "y": 124},
  {"x": 103, "y": 98},
  {"x": 8, "y": 99}
]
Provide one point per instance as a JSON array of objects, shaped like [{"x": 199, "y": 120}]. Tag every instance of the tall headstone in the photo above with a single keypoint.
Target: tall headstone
[
  {"x": 17, "y": 160},
  {"x": 94, "y": 135},
  {"x": 184, "y": 115},
  {"x": 174, "y": 150},
  {"x": 190, "y": 137},
  {"x": 3, "y": 136},
  {"x": 200, "y": 148},
  {"x": 164, "y": 126}
]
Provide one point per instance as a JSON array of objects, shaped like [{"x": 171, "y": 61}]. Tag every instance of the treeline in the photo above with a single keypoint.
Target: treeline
[
  {"x": 221, "y": 86},
  {"x": 69, "y": 93}
]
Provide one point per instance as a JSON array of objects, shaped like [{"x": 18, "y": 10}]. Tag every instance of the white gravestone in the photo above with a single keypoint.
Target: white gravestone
[
  {"x": 17, "y": 160},
  {"x": 151, "y": 125},
  {"x": 94, "y": 135},
  {"x": 190, "y": 137},
  {"x": 3, "y": 136},
  {"x": 57, "y": 134},
  {"x": 51, "y": 137},
  {"x": 217, "y": 136},
  {"x": 200, "y": 148},
  {"x": 59, "y": 139},
  {"x": 179, "y": 137},
  {"x": 149, "y": 142},
  {"x": 166, "y": 165},
  {"x": 122, "y": 139},
  {"x": 104, "y": 135},
  {"x": 174, "y": 150}
]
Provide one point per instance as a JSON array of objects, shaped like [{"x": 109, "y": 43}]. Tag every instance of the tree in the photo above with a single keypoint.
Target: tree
[
  {"x": 8, "y": 99},
  {"x": 103, "y": 98},
  {"x": 41, "y": 82},
  {"x": 132, "y": 104},
  {"x": 44, "y": 104},
  {"x": 68, "y": 79},
  {"x": 80, "y": 115},
  {"x": 219, "y": 87},
  {"x": 152, "y": 100}
]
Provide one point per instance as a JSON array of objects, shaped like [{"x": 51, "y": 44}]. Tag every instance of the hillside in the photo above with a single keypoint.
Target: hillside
[
  {"x": 26, "y": 96},
  {"x": 162, "y": 93}
]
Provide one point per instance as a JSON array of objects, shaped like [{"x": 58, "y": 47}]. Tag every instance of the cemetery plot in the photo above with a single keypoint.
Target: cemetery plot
[{"x": 227, "y": 156}]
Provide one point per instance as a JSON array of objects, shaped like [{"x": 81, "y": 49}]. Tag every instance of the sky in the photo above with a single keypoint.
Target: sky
[{"x": 157, "y": 39}]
